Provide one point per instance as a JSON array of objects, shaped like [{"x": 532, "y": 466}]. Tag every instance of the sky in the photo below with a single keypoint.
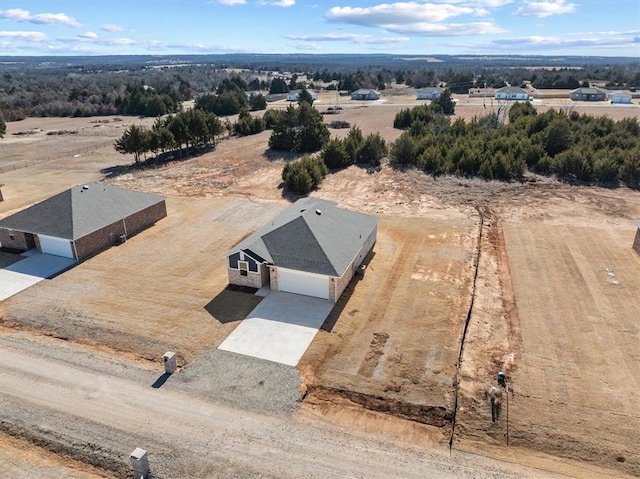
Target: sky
[{"x": 453, "y": 27}]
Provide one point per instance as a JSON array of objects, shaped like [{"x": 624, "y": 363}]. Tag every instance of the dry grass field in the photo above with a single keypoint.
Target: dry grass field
[
  {"x": 578, "y": 379},
  {"x": 391, "y": 342},
  {"x": 545, "y": 309}
]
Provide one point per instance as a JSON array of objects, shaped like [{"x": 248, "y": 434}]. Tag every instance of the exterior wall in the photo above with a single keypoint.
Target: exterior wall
[
  {"x": 18, "y": 243},
  {"x": 273, "y": 278},
  {"x": 106, "y": 237},
  {"x": 614, "y": 99},
  {"x": 253, "y": 280},
  {"x": 636, "y": 242},
  {"x": 145, "y": 218},
  {"x": 512, "y": 96},
  {"x": 98, "y": 240},
  {"x": 338, "y": 285}
]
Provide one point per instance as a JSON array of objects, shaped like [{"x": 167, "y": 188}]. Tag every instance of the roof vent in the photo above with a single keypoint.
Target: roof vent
[
  {"x": 318, "y": 212},
  {"x": 303, "y": 210},
  {"x": 85, "y": 187}
]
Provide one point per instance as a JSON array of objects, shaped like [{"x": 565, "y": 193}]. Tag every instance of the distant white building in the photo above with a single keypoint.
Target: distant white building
[
  {"x": 511, "y": 93},
  {"x": 293, "y": 95},
  {"x": 619, "y": 97},
  {"x": 429, "y": 93}
]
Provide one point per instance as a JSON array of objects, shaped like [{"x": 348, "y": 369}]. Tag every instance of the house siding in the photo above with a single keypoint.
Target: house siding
[
  {"x": 338, "y": 285},
  {"x": 145, "y": 218},
  {"x": 98, "y": 240},
  {"x": 18, "y": 243},
  {"x": 253, "y": 280},
  {"x": 636, "y": 242}
]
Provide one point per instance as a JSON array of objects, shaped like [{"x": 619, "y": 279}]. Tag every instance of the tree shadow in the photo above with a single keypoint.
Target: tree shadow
[
  {"x": 279, "y": 155},
  {"x": 337, "y": 310},
  {"x": 233, "y": 303},
  {"x": 158, "y": 161}
]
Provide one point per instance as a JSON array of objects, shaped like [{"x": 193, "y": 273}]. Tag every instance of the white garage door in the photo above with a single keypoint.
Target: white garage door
[
  {"x": 303, "y": 283},
  {"x": 56, "y": 246}
]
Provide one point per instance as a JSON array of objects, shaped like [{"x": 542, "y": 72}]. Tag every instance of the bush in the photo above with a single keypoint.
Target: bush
[
  {"x": 373, "y": 150},
  {"x": 335, "y": 155},
  {"x": 303, "y": 175}
]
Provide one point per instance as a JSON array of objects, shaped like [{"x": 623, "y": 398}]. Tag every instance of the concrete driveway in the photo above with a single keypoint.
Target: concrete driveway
[
  {"x": 280, "y": 328},
  {"x": 29, "y": 271}
]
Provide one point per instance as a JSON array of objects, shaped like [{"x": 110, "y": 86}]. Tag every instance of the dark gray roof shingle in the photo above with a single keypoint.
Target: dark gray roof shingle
[
  {"x": 80, "y": 210},
  {"x": 301, "y": 239}
]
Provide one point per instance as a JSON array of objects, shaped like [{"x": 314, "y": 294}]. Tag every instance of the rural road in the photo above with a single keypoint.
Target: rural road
[{"x": 103, "y": 406}]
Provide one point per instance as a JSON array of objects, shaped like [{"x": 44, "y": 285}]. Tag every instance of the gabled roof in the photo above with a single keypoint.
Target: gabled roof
[
  {"x": 588, "y": 90},
  {"x": 311, "y": 235},
  {"x": 81, "y": 210},
  {"x": 365, "y": 91},
  {"x": 511, "y": 89}
]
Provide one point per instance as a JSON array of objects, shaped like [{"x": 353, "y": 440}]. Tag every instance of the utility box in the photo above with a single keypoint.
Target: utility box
[
  {"x": 139, "y": 463},
  {"x": 169, "y": 360}
]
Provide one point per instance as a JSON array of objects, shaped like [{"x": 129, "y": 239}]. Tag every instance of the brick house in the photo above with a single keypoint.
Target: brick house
[
  {"x": 312, "y": 248},
  {"x": 81, "y": 221}
]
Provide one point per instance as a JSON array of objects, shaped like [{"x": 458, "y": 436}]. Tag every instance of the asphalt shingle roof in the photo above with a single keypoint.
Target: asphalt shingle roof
[
  {"x": 80, "y": 210},
  {"x": 303, "y": 240}
]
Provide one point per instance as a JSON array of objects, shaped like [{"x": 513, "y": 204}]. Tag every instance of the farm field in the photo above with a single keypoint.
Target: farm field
[{"x": 544, "y": 311}]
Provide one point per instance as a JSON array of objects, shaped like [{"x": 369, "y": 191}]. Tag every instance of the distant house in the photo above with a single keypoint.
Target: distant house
[
  {"x": 293, "y": 95},
  {"x": 365, "y": 94},
  {"x": 312, "y": 248},
  {"x": 619, "y": 97},
  {"x": 81, "y": 221},
  {"x": 429, "y": 93},
  {"x": 588, "y": 94},
  {"x": 511, "y": 93}
]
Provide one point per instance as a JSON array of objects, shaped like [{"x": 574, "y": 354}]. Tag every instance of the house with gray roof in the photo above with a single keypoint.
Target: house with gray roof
[
  {"x": 365, "y": 94},
  {"x": 312, "y": 248},
  {"x": 429, "y": 93},
  {"x": 588, "y": 94},
  {"x": 81, "y": 221}
]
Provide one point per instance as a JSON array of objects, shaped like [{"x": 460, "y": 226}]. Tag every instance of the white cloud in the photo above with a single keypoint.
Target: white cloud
[
  {"x": 31, "y": 36},
  {"x": 545, "y": 9},
  {"x": 88, "y": 35},
  {"x": 278, "y": 3},
  {"x": 231, "y": 2},
  {"x": 397, "y": 13},
  {"x": 307, "y": 47},
  {"x": 346, "y": 37},
  {"x": 572, "y": 41},
  {"x": 20, "y": 15},
  {"x": 426, "y": 19},
  {"x": 110, "y": 27}
]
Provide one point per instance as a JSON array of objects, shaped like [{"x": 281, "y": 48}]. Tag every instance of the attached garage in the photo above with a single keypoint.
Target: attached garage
[
  {"x": 56, "y": 246},
  {"x": 300, "y": 282}
]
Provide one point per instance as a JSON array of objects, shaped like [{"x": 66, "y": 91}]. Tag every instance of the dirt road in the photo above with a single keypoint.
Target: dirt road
[{"x": 99, "y": 409}]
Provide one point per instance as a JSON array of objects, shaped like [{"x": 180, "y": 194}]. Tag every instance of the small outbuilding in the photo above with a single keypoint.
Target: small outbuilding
[
  {"x": 429, "y": 93},
  {"x": 511, "y": 93},
  {"x": 588, "y": 94},
  {"x": 81, "y": 221},
  {"x": 312, "y": 248},
  {"x": 365, "y": 94},
  {"x": 619, "y": 97}
]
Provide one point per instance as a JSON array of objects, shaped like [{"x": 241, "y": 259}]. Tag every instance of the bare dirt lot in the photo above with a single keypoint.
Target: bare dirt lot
[{"x": 543, "y": 311}]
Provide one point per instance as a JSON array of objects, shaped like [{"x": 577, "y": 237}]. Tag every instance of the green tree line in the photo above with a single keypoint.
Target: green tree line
[
  {"x": 173, "y": 134},
  {"x": 568, "y": 144}
]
